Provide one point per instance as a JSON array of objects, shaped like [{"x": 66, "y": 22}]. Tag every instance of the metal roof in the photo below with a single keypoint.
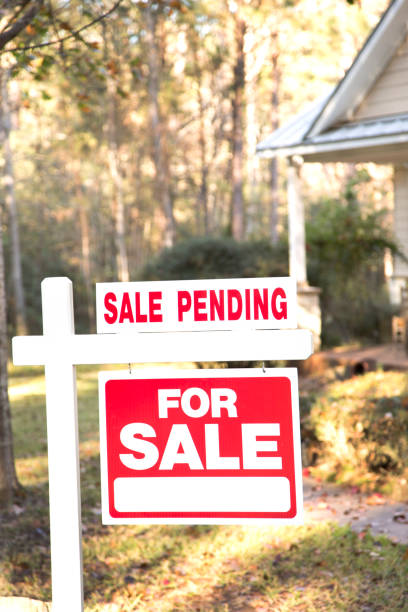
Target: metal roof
[
  {"x": 382, "y": 140},
  {"x": 293, "y": 132}
]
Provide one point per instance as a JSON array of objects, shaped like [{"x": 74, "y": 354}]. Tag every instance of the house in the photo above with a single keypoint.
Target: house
[{"x": 364, "y": 119}]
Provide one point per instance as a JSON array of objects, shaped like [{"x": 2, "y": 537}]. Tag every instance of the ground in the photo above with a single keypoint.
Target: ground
[
  {"x": 348, "y": 506},
  {"x": 350, "y": 537}
]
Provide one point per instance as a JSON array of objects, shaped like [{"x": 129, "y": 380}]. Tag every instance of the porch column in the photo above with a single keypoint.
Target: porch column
[
  {"x": 400, "y": 272},
  {"x": 296, "y": 220},
  {"x": 309, "y": 314}
]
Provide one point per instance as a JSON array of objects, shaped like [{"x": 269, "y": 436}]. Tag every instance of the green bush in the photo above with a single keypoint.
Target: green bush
[
  {"x": 346, "y": 241},
  {"x": 211, "y": 257}
]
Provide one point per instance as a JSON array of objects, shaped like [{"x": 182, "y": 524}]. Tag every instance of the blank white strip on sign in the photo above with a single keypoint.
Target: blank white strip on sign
[{"x": 219, "y": 494}]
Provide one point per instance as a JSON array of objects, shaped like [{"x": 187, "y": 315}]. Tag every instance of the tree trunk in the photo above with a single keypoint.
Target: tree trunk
[
  {"x": 11, "y": 206},
  {"x": 237, "y": 207},
  {"x": 118, "y": 206},
  {"x": 157, "y": 127},
  {"x": 8, "y": 477},
  {"x": 273, "y": 164},
  {"x": 202, "y": 198},
  {"x": 80, "y": 205},
  {"x": 203, "y": 191}
]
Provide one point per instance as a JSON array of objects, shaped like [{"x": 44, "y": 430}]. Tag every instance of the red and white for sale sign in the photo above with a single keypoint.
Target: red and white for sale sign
[{"x": 200, "y": 446}]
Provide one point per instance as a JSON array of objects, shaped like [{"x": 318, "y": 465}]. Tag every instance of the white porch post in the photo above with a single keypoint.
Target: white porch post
[
  {"x": 400, "y": 272},
  {"x": 296, "y": 219},
  {"x": 309, "y": 314}
]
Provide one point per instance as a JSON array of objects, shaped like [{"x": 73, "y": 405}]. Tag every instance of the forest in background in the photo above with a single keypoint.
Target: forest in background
[{"x": 138, "y": 133}]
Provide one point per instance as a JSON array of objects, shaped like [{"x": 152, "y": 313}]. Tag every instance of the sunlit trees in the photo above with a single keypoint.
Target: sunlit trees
[
  {"x": 24, "y": 25},
  {"x": 137, "y": 129}
]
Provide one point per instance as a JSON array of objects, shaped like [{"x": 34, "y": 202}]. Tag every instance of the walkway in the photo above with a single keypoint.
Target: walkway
[{"x": 348, "y": 506}]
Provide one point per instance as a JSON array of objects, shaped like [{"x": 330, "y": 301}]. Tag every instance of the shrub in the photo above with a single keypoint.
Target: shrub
[
  {"x": 212, "y": 257},
  {"x": 346, "y": 242}
]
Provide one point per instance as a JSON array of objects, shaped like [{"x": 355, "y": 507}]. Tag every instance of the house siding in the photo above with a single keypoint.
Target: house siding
[{"x": 389, "y": 94}]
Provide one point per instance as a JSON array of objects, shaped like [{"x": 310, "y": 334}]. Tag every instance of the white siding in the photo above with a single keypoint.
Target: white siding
[
  {"x": 401, "y": 218},
  {"x": 389, "y": 94}
]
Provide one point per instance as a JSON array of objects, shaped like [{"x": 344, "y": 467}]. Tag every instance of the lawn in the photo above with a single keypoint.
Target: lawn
[{"x": 182, "y": 568}]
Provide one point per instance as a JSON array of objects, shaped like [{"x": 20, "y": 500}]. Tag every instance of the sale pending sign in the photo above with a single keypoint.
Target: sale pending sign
[
  {"x": 196, "y": 305},
  {"x": 200, "y": 446}
]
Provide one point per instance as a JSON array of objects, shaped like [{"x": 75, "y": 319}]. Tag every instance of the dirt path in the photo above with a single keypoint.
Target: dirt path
[{"x": 348, "y": 506}]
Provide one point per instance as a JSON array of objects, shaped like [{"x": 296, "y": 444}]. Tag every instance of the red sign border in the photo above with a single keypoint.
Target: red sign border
[{"x": 239, "y": 518}]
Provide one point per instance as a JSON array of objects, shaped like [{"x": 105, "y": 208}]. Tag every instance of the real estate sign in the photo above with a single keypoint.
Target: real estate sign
[
  {"x": 218, "y": 304},
  {"x": 200, "y": 446}
]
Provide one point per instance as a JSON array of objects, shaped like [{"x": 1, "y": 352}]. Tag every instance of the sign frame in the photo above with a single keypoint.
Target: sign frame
[
  {"x": 59, "y": 349},
  {"x": 211, "y": 374}
]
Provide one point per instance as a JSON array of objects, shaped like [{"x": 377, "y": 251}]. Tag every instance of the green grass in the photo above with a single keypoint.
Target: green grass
[{"x": 182, "y": 568}]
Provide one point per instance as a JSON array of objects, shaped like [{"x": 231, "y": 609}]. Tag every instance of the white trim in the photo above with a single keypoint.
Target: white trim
[
  {"x": 313, "y": 148},
  {"x": 246, "y": 345}
]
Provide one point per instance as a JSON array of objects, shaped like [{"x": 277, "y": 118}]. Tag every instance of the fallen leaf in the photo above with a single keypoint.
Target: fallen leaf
[{"x": 376, "y": 499}]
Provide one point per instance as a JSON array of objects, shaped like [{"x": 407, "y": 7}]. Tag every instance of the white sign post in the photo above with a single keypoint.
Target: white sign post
[{"x": 60, "y": 349}]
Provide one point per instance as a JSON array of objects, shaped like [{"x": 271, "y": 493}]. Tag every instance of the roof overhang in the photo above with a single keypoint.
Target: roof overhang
[{"x": 380, "y": 149}]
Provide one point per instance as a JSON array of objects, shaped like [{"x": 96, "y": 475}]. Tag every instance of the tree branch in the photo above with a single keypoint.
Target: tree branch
[
  {"x": 15, "y": 29},
  {"x": 18, "y": 12},
  {"x": 64, "y": 38}
]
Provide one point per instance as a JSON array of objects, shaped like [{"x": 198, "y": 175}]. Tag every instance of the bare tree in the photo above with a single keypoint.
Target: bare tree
[
  {"x": 158, "y": 126},
  {"x": 15, "y": 17},
  {"x": 11, "y": 203},
  {"x": 273, "y": 164},
  {"x": 237, "y": 136}
]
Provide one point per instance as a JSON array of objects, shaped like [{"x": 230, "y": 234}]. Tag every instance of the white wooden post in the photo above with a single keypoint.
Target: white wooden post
[
  {"x": 296, "y": 219},
  {"x": 401, "y": 219},
  {"x": 63, "y": 450}
]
